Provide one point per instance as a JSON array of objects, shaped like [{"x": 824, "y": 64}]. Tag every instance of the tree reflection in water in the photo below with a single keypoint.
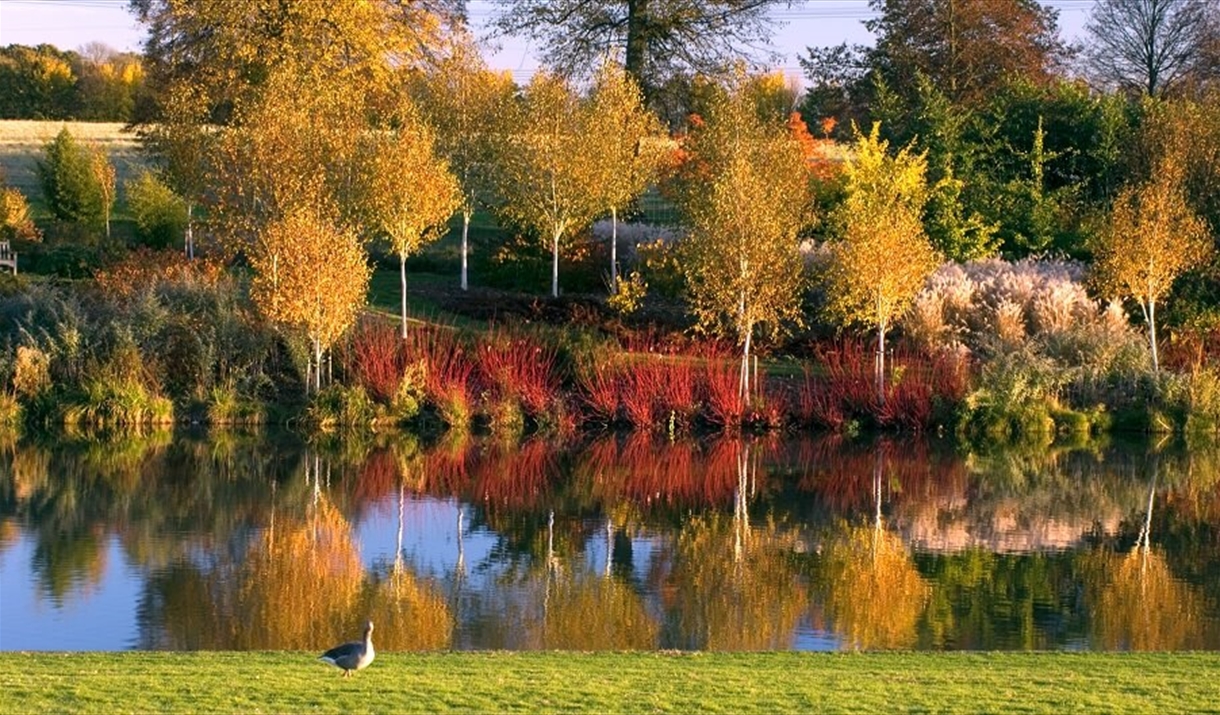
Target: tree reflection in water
[
  {"x": 727, "y": 585},
  {"x": 299, "y": 585},
  {"x": 723, "y": 544},
  {"x": 1140, "y": 604},
  {"x": 872, "y": 594}
]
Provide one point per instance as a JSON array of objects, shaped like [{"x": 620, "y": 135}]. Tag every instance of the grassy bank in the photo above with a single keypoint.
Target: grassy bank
[{"x": 603, "y": 682}]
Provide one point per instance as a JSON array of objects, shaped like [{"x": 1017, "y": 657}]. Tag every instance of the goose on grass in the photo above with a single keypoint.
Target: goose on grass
[{"x": 352, "y": 656}]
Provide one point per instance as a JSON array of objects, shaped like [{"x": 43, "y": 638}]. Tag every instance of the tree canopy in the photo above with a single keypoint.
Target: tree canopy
[
  {"x": 545, "y": 165},
  {"x": 97, "y": 83},
  {"x": 627, "y": 149},
  {"x": 461, "y": 98},
  {"x": 1151, "y": 238},
  {"x": 966, "y": 49},
  {"x": 407, "y": 192},
  {"x": 883, "y": 255}
]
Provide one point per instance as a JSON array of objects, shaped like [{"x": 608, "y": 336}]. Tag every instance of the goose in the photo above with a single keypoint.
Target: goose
[{"x": 352, "y": 656}]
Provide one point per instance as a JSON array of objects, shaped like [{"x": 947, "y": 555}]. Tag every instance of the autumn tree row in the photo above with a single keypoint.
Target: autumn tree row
[
  {"x": 96, "y": 83},
  {"x": 309, "y": 129}
]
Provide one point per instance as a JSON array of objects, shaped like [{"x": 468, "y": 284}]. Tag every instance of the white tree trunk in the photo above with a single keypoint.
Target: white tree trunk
[
  {"x": 465, "y": 246},
  {"x": 609, "y": 546},
  {"x": 555, "y": 262},
  {"x": 744, "y": 385},
  {"x": 317, "y": 370},
  {"x": 1156, "y": 361},
  {"x": 402, "y": 284},
  {"x": 613, "y": 250},
  {"x": 190, "y": 234}
]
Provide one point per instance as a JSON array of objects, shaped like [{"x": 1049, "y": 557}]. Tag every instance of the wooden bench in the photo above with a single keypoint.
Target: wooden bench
[{"x": 7, "y": 257}]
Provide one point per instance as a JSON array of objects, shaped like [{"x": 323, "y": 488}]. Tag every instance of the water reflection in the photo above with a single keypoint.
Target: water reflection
[
  {"x": 251, "y": 541},
  {"x": 1141, "y": 605}
]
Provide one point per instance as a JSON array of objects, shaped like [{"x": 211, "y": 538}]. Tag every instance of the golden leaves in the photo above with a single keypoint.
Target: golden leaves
[
  {"x": 746, "y": 194},
  {"x": 407, "y": 192},
  {"x": 546, "y": 172},
  {"x": 731, "y": 590},
  {"x": 621, "y": 127},
  {"x": 873, "y": 593},
  {"x": 15, "y": 219},
  {"x": 1151, "y": 238},
  {"x": 310, "y": 273},
  {"x": 463, "y": 100},
  {"x": 884, "y": 256},
  {"x": 1141, "y": 605}
]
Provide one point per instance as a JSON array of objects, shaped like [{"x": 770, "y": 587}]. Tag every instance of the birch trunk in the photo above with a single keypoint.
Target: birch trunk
[
  {"x": 402, "y": 284},
  {"x": 465, "y": 246}
]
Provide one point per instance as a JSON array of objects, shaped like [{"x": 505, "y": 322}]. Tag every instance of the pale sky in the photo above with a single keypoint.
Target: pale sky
[{"x": 70, "y": 24}]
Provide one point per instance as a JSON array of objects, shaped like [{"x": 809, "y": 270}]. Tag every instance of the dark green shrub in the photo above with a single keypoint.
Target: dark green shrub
[
  {"x": 64, "y": 260},
  {"x": 70, "y": 189}
]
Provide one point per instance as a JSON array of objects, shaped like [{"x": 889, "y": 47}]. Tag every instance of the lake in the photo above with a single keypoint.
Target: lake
[{"x": 228, "y": 540}]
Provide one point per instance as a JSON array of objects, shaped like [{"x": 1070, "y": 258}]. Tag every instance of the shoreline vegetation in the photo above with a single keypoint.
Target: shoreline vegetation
[
  {"x": 154, "y": 340},
  {"x": 458, "y": 682}
]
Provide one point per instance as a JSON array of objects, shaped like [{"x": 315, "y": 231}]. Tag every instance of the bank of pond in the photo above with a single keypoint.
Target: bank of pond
[
  {"x": 990, "y": 351},
  {"x": 515, "y": 381},
  {"x": 228, "y": 540}
]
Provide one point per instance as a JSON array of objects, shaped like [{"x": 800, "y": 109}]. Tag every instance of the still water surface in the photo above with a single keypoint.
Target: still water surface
[{"x": 236, "y": 541}]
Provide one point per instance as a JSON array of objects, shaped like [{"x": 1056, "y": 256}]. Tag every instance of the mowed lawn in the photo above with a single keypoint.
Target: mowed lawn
[{"x": 139, "y": 682}]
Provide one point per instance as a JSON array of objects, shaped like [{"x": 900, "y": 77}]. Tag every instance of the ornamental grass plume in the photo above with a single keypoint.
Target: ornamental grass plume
[{"x": 992, "y": 307}]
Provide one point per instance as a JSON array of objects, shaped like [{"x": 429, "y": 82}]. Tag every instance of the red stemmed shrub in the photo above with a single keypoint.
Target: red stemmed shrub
[
  {"x": 600, "y": 386},
  {"x": 519, "y": 367},
  {"x": 448, "y": 372},
  {"x": 376, "y": 359},
  {"x": 916, "y": 387},
  {"x": 722, "y": 386}
]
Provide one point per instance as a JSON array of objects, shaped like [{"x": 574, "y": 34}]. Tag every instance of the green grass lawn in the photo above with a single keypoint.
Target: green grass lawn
[{"x": 138, "y": 682}]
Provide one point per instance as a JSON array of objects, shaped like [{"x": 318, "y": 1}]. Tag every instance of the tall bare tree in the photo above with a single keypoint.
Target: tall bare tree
[
  {"x": 1150, "y": 46},
  {"x": 656, "y": 37}
]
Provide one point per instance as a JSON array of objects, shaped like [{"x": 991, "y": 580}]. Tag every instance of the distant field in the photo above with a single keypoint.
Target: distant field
[{"x": 22, "y": 142}]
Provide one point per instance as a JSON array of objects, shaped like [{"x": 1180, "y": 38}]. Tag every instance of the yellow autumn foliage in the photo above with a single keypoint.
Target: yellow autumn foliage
[
  {"x": 1152, "y": 236},
  {"x": 310, "y": 274},
  {"x": 872, "y": 593},
  {"x": 883, "y": 255},
  {"x": 745, "y": 190},
  {"x": 545, "y": 169},
  {"x": 1138, "y": 604},
  {"x": 733, "y": 587},
  {"x": 587, "y": 613}
]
